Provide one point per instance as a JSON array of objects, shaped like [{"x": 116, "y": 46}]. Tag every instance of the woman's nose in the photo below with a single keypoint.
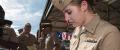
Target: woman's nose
[{"x": 67, "y": 18}]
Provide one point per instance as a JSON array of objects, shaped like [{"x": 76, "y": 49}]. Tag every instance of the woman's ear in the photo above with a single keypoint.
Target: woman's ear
[{"x": 84, "y": 5}]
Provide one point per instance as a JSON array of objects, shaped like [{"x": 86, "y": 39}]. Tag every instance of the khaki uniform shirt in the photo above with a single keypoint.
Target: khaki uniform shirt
[
  {"x": 52, "y": 44},
  {"x": 25, "y": 41},
  {"x": 9, "y": 39},
  {"x": 41, "y": 45},
  {"x": 97, "y": 35},
  {"x": 10, "y": 35}
]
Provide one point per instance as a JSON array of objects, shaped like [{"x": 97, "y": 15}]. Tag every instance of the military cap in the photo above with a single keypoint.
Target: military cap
[
  {"x": 61, "y": 4},
  {"x": 3, "y": 21}
]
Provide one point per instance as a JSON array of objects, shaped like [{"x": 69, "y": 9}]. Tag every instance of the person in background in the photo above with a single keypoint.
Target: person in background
[
  {"x": 91, "y": 32},
  {"x": 27, "y": 41},
  {"x": 41, "y": 40},
  {"x": 8, "y": 38},
  {"x": 20, "y": 30},
  {"x": 10, "y": 32},
  {"x": 49, "y": 36},
  {"x": 51, "y": 41}
]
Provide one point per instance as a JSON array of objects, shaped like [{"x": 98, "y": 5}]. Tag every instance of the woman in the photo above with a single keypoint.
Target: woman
[{"x": 91, "y": 32}]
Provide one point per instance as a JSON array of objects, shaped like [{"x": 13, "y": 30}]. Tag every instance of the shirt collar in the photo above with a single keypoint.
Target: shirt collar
[{"x": 91, "y": 27}]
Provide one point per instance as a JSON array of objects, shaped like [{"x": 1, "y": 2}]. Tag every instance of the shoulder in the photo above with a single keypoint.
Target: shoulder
[
  {"x": 107, "y": 27},
  {"x": 104, "y": 28},
  {"x": 110, "y": 36},
  {"x": 31, "y": 35}
]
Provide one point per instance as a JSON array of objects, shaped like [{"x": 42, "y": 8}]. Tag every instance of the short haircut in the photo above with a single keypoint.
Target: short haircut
[{"x": 28, "y": 25}]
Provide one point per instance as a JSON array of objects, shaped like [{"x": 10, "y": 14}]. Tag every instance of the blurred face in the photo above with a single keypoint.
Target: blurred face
[
  {"x": 74, "y": 15},
  {"x": 27, "y": 29}
]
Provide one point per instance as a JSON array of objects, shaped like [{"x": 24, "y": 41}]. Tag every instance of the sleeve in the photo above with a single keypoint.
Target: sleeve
[
  {"x": 111, "y": 42},
  {"x": 34, "y": 39}
]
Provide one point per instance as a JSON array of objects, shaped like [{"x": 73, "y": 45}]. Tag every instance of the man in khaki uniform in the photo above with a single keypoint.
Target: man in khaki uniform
[
  {"x": 47, "y": 37},
  {"x": 91, "y": 32},
  {"x": 26, "y": 40}
]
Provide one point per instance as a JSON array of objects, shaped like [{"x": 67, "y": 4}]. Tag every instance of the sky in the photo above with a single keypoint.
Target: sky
[{"x": 24, "y": 11}]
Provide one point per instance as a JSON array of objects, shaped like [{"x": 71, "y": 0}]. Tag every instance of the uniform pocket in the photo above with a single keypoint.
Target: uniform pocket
[
  {"x": 73, "y": 41},
  {"x": 87, "y": 45}
]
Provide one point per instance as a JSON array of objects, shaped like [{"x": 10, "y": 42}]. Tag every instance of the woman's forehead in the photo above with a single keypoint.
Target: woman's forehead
[
  {"x": 67, "y": 7},
  {"x": 70, "y": 7}
]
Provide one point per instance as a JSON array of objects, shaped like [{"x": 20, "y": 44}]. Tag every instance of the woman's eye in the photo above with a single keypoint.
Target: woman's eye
[{"x": 69, "y": 12}]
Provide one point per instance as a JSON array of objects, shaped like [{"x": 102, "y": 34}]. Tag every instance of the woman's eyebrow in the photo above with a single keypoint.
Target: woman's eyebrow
[{"x": 66, "y": 10}]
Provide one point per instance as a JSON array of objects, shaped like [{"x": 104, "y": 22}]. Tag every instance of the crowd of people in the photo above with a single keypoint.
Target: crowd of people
[
  {"x": 10, "y": 41},
  {"x": 47, "y": 39}
]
